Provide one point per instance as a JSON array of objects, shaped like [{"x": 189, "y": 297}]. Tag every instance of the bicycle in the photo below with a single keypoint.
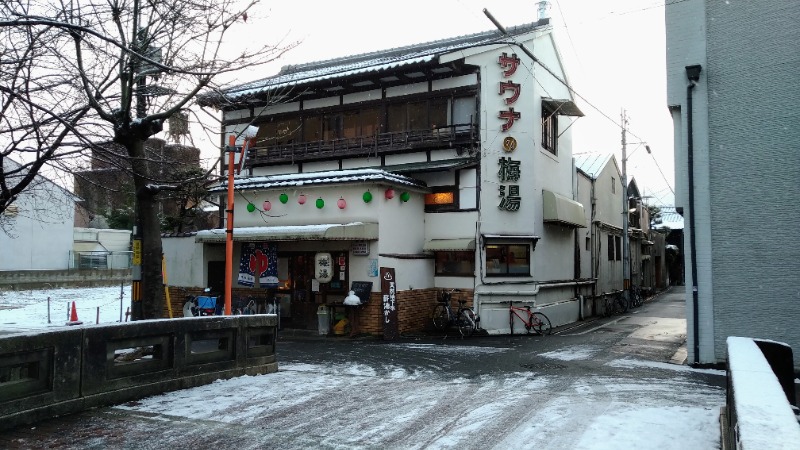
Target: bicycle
[
  {"x": 444, "y": 315},
  {"x": 533, "y": 321},
  {"x": 636, "y": 296},
  {"x": 615, "y": 303}
]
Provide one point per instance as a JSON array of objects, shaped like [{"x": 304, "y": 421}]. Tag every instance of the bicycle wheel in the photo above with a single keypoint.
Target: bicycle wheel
[
  {"x": 466, "y": 322},
  {"x": 608, "y": 311},
  {"x": 541, "y": 324},
  {"x": 622, "y": 304},
  {"x": 440, "y": 317},
  {"x": 511, "y": 322}
]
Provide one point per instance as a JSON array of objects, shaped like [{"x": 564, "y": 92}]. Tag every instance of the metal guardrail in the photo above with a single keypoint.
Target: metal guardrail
[{"x": 69, "y": 370}]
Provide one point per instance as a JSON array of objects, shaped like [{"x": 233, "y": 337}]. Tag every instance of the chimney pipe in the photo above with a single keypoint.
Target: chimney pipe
[{"x": 544, "y": 11}]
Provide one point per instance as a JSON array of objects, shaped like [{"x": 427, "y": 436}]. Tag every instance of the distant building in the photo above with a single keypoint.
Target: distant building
[
  {"x": 449, "y": 162},
  {"x": 36, "y": 229},
  {"x": 732, "y": 85}
]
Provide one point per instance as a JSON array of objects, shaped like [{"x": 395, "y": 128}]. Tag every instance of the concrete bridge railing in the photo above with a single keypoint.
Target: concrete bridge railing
[
  {"x": 63, "y": 371},
  {"x": 758, "y": 413}
]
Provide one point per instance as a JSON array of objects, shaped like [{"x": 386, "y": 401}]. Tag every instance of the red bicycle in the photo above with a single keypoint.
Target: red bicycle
[{"x": 534, "y": 321}]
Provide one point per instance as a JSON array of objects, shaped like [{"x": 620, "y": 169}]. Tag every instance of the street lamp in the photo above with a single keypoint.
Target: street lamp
[{"x": 626, "y": 252}]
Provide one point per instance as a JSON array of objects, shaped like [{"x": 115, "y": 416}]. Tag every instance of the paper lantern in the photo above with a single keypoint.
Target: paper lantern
[
  {"x": 405, "y": 196},
  {"x": 320, "y": 203},
  {"x": 301, "y": 199},
  {"x": 267, "y": 205},
  {"x": 341, "y": 203},
  {"x": 283, "y": 198},
  {"x": 389, "y": 194},
  {"x": 367, "y": 197},
  {"x": 251, "y": 207}
]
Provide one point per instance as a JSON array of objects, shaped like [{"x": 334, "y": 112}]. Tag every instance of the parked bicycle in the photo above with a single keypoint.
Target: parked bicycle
[
  {"x": 533, "y": 321},
  {"x": 636, "y": 296},
  {"x": 615, "y": 303},
  {"x": 463, "y": 317}
]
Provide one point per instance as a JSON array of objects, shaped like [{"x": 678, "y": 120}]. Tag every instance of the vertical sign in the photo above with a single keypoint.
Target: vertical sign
[
  {"x": 389, "y": 294},
  {"x": 509, "y": 171}
]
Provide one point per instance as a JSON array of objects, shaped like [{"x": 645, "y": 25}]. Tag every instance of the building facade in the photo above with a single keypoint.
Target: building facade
[
  {"x": 447, "y": 164},
  {"x": 732, "y": 91}
]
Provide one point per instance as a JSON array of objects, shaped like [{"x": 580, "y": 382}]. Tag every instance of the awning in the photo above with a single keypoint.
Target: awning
[
  {"x": 562, "y": 107},
  {"x": 435, "y": 245},
  {"x": 356, "y": 231},
  {"x": 560, "y": 209}
]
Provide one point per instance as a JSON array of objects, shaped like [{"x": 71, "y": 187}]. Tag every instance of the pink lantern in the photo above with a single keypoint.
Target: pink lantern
[
  {"x": 341, "y": 203},
  {"x": 389, "y": 194},
  {"x": 301, "y": 199},
  {"x": 267, "y": 205}
]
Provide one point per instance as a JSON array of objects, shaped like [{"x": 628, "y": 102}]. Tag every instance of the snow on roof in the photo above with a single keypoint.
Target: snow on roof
[
  {"x": 307, "y": 73},
  {"x": 670, "y": 219},
  {"x": 320, "y": 178},
  {"x": 591, "y": 163}
]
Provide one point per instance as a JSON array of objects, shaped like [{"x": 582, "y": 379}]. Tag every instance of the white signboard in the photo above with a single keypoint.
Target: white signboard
[{"x": 360, "y": 248}]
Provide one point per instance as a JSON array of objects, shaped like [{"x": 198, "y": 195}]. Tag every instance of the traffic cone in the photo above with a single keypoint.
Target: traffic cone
[{"x": 73, "y": 316}]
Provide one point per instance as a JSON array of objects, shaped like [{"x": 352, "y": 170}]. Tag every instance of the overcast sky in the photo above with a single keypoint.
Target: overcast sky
[{"x": 614, "y": 52}]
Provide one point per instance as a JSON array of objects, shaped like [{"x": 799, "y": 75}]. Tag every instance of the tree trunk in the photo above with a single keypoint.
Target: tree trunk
[{"x": 149, "y": 228}]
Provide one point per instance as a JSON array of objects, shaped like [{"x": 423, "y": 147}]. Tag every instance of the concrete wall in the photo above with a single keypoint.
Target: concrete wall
[
  {"x": 746, "y": 165},
  {"x": 36, "y": 279}
]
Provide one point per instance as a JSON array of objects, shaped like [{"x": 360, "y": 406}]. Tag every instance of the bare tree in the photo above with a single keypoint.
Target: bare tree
[{"x": 74, "y": 73}]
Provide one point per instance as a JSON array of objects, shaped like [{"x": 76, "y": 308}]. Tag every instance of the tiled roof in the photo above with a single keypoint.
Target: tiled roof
[
  {"x": 295, "y": 75},
  {"x": 319, "y": 178}
]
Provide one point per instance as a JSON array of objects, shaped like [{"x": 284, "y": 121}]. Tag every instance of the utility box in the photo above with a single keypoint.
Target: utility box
[{"x": 324, "y": 320}]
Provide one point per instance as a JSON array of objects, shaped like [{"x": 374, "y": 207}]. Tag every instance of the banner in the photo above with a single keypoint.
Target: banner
[{"x": 259, "y": 259}]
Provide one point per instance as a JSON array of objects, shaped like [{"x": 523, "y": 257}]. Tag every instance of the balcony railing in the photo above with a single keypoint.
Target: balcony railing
[{"x": 463, "y": 136}]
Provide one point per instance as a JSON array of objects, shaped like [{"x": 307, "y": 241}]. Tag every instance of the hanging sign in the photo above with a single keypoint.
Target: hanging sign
[{"x": 323, "y": 267}]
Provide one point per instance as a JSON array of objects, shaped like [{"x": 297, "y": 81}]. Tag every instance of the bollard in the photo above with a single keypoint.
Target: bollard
[
  {"x": 48, "y": 309},
  {"x": 97, "y": 320}
]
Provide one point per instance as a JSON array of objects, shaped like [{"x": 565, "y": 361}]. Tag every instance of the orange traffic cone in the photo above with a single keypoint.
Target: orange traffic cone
[{"x": 73, "y": 317}]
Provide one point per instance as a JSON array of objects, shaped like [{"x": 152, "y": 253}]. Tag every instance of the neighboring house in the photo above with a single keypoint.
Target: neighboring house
[
  {"x": 36, "y": 230},
  {"x": 449, "y": 162},
  {"x": 670, "y": 223},
  {"x": 599, "y": 187},
  {"x": 732, "y": 78},
  {"x": 643, "y": 265}
]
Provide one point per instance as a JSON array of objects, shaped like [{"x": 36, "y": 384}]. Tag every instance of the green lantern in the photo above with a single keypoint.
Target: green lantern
[
  {"x": 320, "y": 203},
  {"x": 405, "y": 196},
  {"x": 367, "y": 197},
  {"x": 283, "y": 198},
  {"x": 251, "y": 207}
]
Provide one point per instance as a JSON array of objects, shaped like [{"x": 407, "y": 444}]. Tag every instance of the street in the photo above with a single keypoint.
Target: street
[{"x": 605, "y": 383}]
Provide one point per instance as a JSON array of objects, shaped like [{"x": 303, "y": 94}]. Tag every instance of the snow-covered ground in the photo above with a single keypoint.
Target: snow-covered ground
[
  {"x": 347, "y": 404},
  {"x": 28, "y": 310}
]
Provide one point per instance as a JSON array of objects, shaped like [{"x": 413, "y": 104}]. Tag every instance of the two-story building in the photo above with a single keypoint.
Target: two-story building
[{"x": 447, "y": 165}]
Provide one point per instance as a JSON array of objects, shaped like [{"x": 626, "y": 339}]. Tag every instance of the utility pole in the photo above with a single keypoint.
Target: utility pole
[{"x": 626, "y": 256}]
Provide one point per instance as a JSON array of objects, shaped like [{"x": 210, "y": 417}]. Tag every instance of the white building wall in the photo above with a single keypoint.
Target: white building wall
[{"x": 39, "y": 236}]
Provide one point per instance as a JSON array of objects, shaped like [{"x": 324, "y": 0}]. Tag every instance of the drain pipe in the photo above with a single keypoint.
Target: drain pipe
[{"x": 693, "y": 74}]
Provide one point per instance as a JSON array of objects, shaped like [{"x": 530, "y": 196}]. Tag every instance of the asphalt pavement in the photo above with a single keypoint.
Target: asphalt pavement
[{"x": 580, "y": 358}]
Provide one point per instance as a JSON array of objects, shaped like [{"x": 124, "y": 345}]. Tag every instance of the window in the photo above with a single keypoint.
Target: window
[
  {"x": 350, "y": 125},
  {"x": 588, "y": 243},
  {"x": 618, "y": 246},
  {"x": 370, "y": 122},
  {"x": 418, "y": 116},
  {"x": 443, "y": 198},
  {"x": 332, "y": 127},
  {"x": 613, "y": 185},
  {"x": 611, "y": 248},
  {"x": 438, "y": 115},
  {"x": 312, "y": 129},
  {"x": 455, "y": 263},
  {"x": 510, "y": 260},
  {"x": 397, "y": 117},
  {"x": 549, "y": 131}
]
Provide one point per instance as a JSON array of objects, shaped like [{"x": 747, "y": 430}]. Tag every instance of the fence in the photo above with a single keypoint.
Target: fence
[{"x": 68, "y": 370}]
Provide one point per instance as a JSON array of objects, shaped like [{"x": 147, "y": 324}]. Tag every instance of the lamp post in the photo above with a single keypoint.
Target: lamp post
[{"x": 626, "y": 243}]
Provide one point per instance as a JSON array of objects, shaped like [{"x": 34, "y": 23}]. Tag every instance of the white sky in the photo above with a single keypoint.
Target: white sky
[{"x": 614, "y": 52}]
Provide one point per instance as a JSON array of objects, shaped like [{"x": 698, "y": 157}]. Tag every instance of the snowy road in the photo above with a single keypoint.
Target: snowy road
[{"x": 608, "y": 385}]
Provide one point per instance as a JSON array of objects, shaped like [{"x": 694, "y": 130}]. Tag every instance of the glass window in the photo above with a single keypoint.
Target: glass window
[
  {"x": 443, "y": 198},
  {"x": 397, "y": 117},
  {"x": 511, "y": 260},
  {"x": 266, "y": 134},
  {"x": 418, "y": 116},
  {"x": 618, "y": 247},
  {"x": 286, "y": 131},
  {"x": 610, "y": 248},
  {"x": 549, "y": 131},
  {"x": 455, "y": 263},
  {"x": 312, "y": 129},
  {"x": 370, "y": 122},
  {"x": 438, "y": 114},
  {"x": 350, "y": 125},
  {"x": 463, "y": 112},
  {"x": 332, "y": 127}
]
